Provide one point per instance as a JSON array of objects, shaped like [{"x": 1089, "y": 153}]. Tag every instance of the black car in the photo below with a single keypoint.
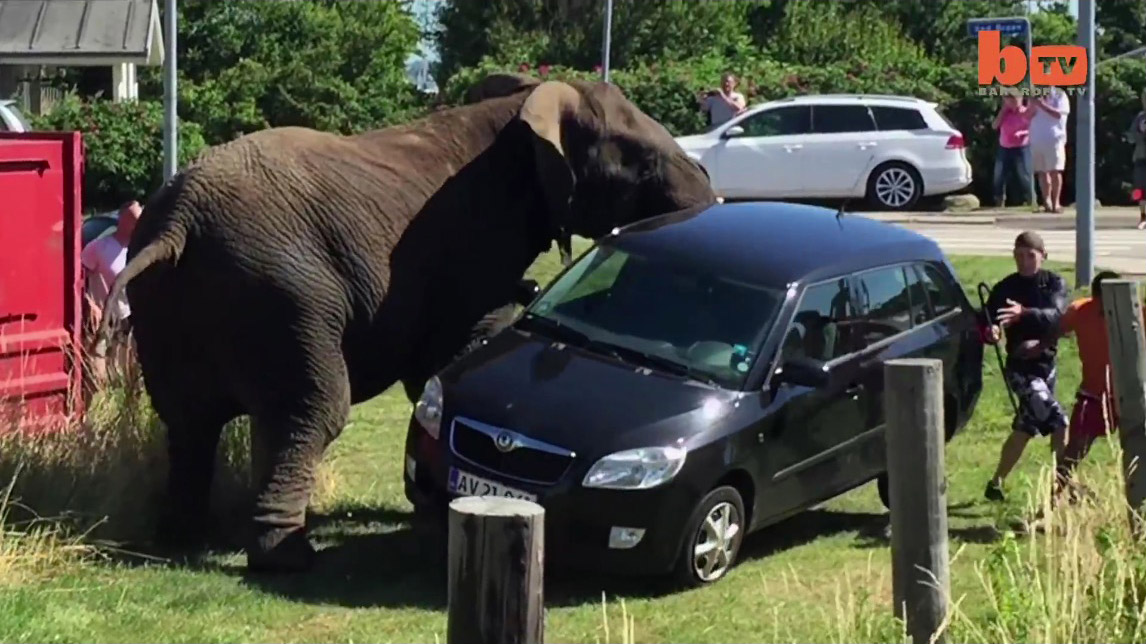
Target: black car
[{"x": 693, "y": 378}]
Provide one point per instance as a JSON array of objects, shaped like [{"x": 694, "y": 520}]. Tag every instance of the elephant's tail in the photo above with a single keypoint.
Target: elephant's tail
[{"x": 166, "y": 247}]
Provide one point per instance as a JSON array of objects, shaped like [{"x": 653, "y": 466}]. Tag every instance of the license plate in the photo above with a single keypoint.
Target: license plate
[{"x": 466, "y": 484}]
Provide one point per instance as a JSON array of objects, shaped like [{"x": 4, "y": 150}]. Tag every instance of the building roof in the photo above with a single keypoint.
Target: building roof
[
  {"x": 775, "y": 243},
  {"x": 80, "y": 32}
]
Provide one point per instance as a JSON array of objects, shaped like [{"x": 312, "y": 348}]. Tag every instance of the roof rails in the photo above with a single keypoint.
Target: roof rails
[{"x": 885, "y": 97}]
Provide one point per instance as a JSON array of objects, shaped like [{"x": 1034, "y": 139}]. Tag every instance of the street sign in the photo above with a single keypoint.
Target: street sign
[{"x": 1005, "y": 26}]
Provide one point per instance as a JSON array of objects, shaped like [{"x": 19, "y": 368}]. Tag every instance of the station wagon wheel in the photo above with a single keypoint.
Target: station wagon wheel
[
  {"x": 895, "y": 185},
  {"x": 712, "y": 542}
]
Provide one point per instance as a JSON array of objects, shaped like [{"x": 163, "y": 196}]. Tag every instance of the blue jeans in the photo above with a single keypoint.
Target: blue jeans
[{"x": 1015, "y": 164}]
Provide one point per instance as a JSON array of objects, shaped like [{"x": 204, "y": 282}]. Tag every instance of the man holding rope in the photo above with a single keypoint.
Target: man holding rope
[{"x": 1027, "y": 306}]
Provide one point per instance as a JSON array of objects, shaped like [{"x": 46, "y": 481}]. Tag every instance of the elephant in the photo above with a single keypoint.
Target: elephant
[{"x": 292, "y": 273}]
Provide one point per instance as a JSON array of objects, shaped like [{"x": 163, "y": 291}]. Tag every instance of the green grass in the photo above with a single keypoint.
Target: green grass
[{"x": 823, "y": 575}]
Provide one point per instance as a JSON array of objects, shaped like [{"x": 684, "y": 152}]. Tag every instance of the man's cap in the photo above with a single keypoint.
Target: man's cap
[{"x": 1030, "y": 239}]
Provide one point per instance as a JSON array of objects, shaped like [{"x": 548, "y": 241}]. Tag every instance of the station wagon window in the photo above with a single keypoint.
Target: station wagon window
[
  {"x": 886, "y": 303},
  {"x": 780, "y": 121},
  {"x": 820, "y": 329},
  {"x": 898, "y": 118},
  {"x": 838, "y": 119},
  {"x": 939, "y": 290}
]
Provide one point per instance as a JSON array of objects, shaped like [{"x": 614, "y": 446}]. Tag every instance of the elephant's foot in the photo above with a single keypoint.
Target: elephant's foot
[{"x": 281, "y": 551}]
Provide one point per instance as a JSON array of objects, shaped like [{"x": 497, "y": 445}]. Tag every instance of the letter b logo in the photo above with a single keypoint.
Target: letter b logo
[{"x": 993, "y": 59}]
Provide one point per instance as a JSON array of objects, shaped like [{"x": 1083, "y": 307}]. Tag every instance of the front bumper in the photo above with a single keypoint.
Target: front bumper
[{"x": 578, "y": 520}]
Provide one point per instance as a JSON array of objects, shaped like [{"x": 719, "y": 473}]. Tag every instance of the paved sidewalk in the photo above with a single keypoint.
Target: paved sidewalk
[{"x": 1105, "y": 218}]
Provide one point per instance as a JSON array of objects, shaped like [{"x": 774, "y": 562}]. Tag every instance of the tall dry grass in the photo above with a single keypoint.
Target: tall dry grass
[{"x": 99, "y": 481}]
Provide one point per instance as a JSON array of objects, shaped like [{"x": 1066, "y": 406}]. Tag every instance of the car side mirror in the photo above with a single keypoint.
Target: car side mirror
[
  {"x": 804, "y": 372},
  {"x": 733, "y": 132},
  {"x": 527, "y": 290}
]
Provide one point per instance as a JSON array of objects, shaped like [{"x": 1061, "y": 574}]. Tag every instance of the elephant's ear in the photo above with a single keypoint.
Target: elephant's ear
[
  {"x": 544, "y": 112},
  {"x": 497, "y": 85}
]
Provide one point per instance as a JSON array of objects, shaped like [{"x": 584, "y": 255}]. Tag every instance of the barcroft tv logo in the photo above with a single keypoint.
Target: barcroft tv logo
[{"x": 1008, "y": 65}]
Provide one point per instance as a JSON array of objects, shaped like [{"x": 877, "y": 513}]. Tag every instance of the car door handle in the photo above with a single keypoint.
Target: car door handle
[
  {"x": 793, "y": 146},
  {"x": 867, "y": 144},
  {"x": 853, "y": 390}
]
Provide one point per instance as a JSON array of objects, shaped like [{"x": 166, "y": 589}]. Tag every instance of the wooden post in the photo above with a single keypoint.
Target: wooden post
[
  {"x": 913, "y": 401},
  {"x": 496, "y": 556},
  {"x": 1122, "y": 311}
]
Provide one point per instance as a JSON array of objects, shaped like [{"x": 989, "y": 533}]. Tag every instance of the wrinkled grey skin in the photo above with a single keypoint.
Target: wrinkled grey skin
[{"x": 292, "y": 273}]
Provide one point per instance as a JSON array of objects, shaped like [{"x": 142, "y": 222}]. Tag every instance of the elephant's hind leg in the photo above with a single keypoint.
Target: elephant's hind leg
[
  {"x": 192, "y": 442},
  {"x": 293, "y": 434}
]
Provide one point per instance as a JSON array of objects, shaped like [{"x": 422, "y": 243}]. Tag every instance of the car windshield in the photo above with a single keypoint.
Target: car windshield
[{"x": 659, "y": 314}]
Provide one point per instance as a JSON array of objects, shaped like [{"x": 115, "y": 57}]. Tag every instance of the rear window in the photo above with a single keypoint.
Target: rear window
[
  {"x": 945, "y": 119},
  {"x": 898, "y": 118}
]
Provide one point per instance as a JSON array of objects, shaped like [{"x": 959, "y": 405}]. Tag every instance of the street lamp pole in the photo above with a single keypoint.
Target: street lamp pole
[
  {"x": 1084, "y": 160},
  {"x": 170, "y": 96},
  {"x": 607, "y": 40}
]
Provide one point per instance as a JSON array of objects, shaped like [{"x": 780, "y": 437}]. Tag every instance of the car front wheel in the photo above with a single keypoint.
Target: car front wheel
[
  {"x": 895, "y": 186},
  {"x": 715, "y": 531}
]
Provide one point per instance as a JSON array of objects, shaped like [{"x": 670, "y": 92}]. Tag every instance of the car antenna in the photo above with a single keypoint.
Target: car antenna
[{"x": 840, "y": 212}]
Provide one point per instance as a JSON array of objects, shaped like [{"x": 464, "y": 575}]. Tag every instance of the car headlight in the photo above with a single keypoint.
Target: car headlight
[
  {"x": 636, "y": 469},
  {"x": 428, "y": 409}
]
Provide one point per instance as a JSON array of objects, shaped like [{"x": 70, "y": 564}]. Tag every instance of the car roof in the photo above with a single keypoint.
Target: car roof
[
  {"x": 886, "y": 100},
  {"x": 775, "y": 243}
]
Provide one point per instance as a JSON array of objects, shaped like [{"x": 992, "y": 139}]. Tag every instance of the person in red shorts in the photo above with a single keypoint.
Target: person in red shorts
[{"x": 1093, "y": 413}]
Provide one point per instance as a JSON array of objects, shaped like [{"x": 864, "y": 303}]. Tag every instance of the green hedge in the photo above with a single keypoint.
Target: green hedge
[
  {"x": 668, "y": 93},
  {"x": 123, "y": 146}
]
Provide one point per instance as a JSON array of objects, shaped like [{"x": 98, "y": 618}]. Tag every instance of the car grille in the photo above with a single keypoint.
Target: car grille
[{"x": 528, "y": 460}]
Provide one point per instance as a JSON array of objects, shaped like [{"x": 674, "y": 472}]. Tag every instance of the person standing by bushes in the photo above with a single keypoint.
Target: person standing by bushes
[
  {"x": 1012, "y": 156},
  {"x": 724, "y": 103},
  {"x": 1137, "y": 134},
  {"x": 1048, "y": 144}
]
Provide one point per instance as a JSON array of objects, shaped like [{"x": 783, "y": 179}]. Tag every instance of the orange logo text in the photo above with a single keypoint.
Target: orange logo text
[{"x": 1008, "y": 65}]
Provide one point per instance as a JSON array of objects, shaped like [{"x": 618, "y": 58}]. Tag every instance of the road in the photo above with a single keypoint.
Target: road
[{"x": 1122, "y": 250}]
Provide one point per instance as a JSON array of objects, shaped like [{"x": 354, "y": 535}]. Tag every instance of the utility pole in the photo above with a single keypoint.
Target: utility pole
[
  {"x": 1084, "y": 159},
  {"x": 608, "y": 39},
  {"x": 170, "y": 96}
]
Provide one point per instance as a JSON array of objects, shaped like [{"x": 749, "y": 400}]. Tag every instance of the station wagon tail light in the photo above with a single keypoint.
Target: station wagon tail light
[
  {"x": 955, "y": 142},
  {"x": 636, "y": 469},
  {"x": 428, "y": 409}
]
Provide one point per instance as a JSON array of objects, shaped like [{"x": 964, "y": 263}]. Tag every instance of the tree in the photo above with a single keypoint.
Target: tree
[
  {"x": 1122, "y": 26},
  {"x": 570, "y": 32},
  {"x": 245, "y": 65}
]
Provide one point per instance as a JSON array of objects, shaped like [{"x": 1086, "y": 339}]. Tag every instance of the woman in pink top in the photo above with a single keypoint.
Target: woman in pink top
[{"x": 1012, "y": 158}]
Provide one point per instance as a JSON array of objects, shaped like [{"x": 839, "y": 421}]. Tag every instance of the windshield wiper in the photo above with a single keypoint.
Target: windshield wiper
[
  {"x": 645, "y": 359},
  {"x": 560, "y": 331}
]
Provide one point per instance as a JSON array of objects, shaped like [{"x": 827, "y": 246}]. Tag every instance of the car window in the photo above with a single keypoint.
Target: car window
[
  {"x": 835, "y": 119},
  {"x": 898, "y": 118},
  {"x": 939, "y": 290},
  {"x": 917, "y": 295},
  {"x": 668, "y": 310},
  {"x": 885, "y": 302},
  {"x": 820, "y": 328},
  {"x": 778, "y": 121}
]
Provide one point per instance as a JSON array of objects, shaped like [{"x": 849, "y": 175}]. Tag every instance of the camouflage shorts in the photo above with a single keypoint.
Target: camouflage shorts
[{"x": 1040, "y": 414}]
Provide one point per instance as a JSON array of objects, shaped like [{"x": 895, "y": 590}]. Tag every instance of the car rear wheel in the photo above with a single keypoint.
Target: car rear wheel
[
  {"x": 715, "y": 531},
  {"x": 895, "y": 186}
]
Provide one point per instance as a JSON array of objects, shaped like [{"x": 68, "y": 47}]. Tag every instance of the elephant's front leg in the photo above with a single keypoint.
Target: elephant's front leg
[{"x": 292, "y": 440}]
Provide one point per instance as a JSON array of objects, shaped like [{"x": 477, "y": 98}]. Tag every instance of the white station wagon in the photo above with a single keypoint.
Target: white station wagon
[{"x": 890, "y": 150}]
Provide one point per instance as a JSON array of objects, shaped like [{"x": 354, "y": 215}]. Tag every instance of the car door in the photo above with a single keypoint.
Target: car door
[
  {"x": 800, "y": 441},
  {"x": 840, "y": 148},
  {"x": 886, "y": 328},
  {"x": 761, "y": 156}
]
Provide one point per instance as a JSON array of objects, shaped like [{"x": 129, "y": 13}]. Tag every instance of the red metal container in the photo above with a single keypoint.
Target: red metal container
[{"x": 40, "y": 279}]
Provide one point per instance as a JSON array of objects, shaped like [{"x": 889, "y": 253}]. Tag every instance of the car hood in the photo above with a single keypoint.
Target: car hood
[{"x": 575, "y": 399}]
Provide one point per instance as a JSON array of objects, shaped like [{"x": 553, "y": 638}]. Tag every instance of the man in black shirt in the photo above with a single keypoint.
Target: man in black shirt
[{"x": 1026, "y": 306}]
